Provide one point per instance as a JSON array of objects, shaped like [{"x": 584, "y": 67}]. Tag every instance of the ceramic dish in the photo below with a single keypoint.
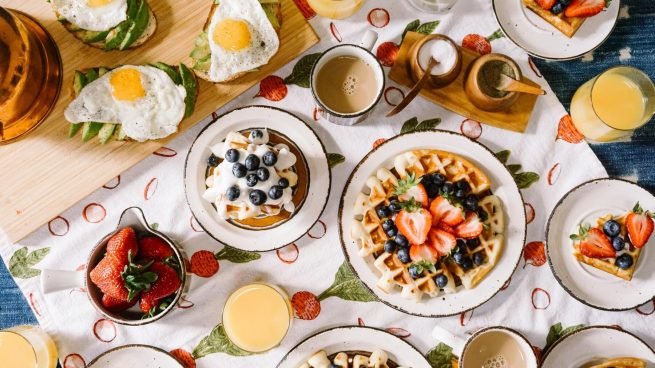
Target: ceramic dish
[
  {"x": 135, "y": 356},
  {"x": 355, "y": 338},
  {"x": 585, "y": 203},
  {"x": 301, "y": 220},
  {"x": 589, "y": 344},
  {"x": 539, "y": 38},
  {"x": 503, "y": 186}
]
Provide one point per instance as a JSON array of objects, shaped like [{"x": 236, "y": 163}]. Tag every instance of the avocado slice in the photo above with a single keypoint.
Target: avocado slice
[
  {"x": 102, "y": 70},
  {"x": 90, "y": 130},
  {"x": 91, "y": 75},
  {"x": 171, "y": 71},
  {"x": 79, "y": 81},
  {"x": 106, "y": 132},
  {"x": 120, "y": 133},
  {"x": 201, "y": 54},
  {"x": 73, "y": 129},
  {"x": 94, "y": 36},
  {"x": 118, "y": 33},
  {"x": 191, "y": 87},
  {"x": 138, "y": 26}
]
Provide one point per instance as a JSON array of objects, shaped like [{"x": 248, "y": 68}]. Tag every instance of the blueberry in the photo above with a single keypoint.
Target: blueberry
[
  {"x": 251, "y": 180},
  {"x": 390, "y": 246},
  {"x": 611, "y": 228},
  {"x": 283, "y": 182},
  {"x": 257, "y": 197},
  {"x": 471, "y": 202},
  {"x": 565, "y": 2},
  {"x": 403, "y": 255},
  {"x": 394, "y": 206},
  {"x": 269, "y": 158},
  {"x": 415, "y": 271},
  {"x": 388, "y": 224},
  {"x": 618, "y": 243},
  {"x": 557, "y": 8},
  {"x": 402, "y": 241},
  {"x": 460, "y": 194},
  {"x": 232, "y": 155},
  {"x": 460, "y": 247},
  {"x": 392, "y": 232},
  {"x": 256, "y": 134},
  {"x": 252, "y": 162},
  {"x": 212, "y": 160},
  {"x": 473, "y": 243},
  {"x": 262, "y": 174},
  {"x": 383, "y": 211},
  {"x": 483, "y": 215},
  {"x": 275, "y": 192},
  {"x": 426, "y": 179},
  {"x": 441, "y": 280},
  {"x": 458, "y": 257},
  {"x": 233, "y": 193},
  {"x": 478, "y": 258},
  {"x": 438, "y": 178},
  {"x": 466, "y": 263},
  {"x": 239, "y": 170},
  {"x": 432, "y": 189},
  {"x": 447, "y": 188},
  {"x": 462, "y": 184},
  {"x": 624, "y": 261}
]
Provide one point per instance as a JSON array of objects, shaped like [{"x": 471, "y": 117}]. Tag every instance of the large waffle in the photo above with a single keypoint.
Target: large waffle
[
  {"x": 608, "y": 264},
  {"x": 568, "y": 26},
  {"x": 367, "y": 229},
  {"x": 621, "y": 363}
]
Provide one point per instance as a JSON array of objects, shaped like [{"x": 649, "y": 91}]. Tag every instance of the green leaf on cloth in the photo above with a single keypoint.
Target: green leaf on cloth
[
  {"x": 301, "y": 71},
  {"x": 503, "y": 156},
  {"x": 440, "y": 356},
  {"x": 217, "y": 342},
  {"x": 413, "y": 125},
  {"x": 21, "y": 263},
  {"x": 556, "y": 332},
  {"x": 427, "y": 28},
  {"x": 411, "y": 27},
  {"x": 235, "y": 255},
  {"x": 347, "y": 287},
  {"x": 523, "y": 180},
  {"x": 335, "y": 159}
]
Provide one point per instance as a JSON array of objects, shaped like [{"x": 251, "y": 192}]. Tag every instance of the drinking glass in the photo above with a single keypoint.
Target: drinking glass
[
  {"x": 335, "y": 9},
  {"x": 27, "y": 347},
  {"x": 613, "y": 104},
  {"x": 433, "y": 6}
]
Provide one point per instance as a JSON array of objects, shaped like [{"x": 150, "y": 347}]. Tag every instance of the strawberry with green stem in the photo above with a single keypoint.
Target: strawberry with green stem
[
  {"x": 593, "y": 243},
  {"x": 411, "y": 188},
  {"x": 443, "y": 210},
  {"x": 418, "y": 268},
  {"x": 640, "y": 226},
  {"x": 414, "y": 221},
  {"x": 204, "y": 263},
  {"x": 480, "y": 44},
  {"x": 166, "y": 282}
]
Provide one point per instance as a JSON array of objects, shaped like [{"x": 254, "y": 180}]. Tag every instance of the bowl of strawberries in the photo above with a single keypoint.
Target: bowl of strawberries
[{"x": 135, "y": 275}]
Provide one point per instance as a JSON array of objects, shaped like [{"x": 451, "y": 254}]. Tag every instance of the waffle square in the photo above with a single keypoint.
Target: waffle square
[{"x": 568, "y": 26}]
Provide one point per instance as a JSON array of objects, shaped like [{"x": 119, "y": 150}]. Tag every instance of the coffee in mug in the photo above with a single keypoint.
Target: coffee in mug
[
  {"x": 494, "y": 349},
  {"x": 346, "y": 84}
]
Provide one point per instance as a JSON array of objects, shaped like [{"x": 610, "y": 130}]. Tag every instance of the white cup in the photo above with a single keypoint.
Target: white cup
[
  {"x": 363, "y": 52},
  {"x": 461, "y": 346}
]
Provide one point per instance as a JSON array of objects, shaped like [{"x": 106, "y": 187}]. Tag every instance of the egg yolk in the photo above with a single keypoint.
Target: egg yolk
[
  {"x": 98, "y": 3},
  {"x": 232, "y": 34},
  {"x": 126, "y": 85}
]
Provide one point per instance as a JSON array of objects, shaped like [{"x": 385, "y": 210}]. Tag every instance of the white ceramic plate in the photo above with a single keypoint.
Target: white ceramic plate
[
  {"x": 596, "y": 288},
  {"x": 503, "y": 186},
  {"x": 539, "y": 38},
  {"x": 355, "y": 338},
  {"x": 298, "y": 132},
  {"x": 135, "y": 356},
  {"x": 588, "y": 344}
]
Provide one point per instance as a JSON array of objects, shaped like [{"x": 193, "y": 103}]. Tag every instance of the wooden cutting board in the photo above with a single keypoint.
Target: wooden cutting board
[
  {"x": 453, "y": 97},
  {"x": 45, "y": 173}
]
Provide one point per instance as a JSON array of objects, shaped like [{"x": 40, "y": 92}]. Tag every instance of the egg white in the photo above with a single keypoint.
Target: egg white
[
  {"x": 153, "y": 116},
  {"x": 264, "y": 40},
  {"x": 100, "y": 18}
]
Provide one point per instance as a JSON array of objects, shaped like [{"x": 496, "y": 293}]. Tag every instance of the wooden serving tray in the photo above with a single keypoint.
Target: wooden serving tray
[
  {"x": 46, "y": 172},
  {"x": 453, "y": 97}
]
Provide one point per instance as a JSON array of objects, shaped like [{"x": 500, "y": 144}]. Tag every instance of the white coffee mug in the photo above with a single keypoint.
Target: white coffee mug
[
  {"x": 476, "y": 346},
  {"x": 363, "y": 52}
]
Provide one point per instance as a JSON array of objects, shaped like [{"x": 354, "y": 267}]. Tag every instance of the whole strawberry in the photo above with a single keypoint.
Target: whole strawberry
[
  {"x": 153, "y": 248},
  {"x": 167, "y": 283},
  {"x": 106, "y": 275},
  {"x": 640, "y": 226},
  {"x": 116, "y": 305},
  {"x": 122, "y": 243}
]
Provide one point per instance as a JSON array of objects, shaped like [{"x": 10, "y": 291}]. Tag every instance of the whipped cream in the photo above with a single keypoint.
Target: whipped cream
[
  {"x": 222, "y": 177},
  {"x": 442, "y": 51}
]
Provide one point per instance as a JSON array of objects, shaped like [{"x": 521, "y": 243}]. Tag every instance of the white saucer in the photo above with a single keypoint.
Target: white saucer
[
  {"x": 583, "y": 346},
  {"x": 539, "y": 38},
  {"x": 503, "y": 186},
  {"x": 298, "y": 132},
  {"x": 589, "y": 285},
  {"x": 135, "y": 356},
  {"x": 355, "y": 338}
]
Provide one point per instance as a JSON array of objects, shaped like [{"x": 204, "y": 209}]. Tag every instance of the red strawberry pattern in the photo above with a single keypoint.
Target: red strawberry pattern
[
  {"x": 378, "y": 142},
  {"x": 58, "y": 226},
  {"x": 481, "y": 44},
  {"x": 378, "y": 17},
  {"x": 471, "y": 128},
  {"x": 104, "y": 330},
  {"x": 113, "y": 183},
  {"x": 567, "y": 132},
  {"x": 150, "y": 188},
  {"x": 74, "y": 361},
  {"x": 272, "y": 88},
  {"x": 288, "y": 254},
  {"x": 184, "y": 357},
  {"x": 165, "y": 152},
  {"x": 94, "y": 213},
  {"x": 534, "y": 254},
  {"x": 393, "y": 95},
  {"x": 529, "y": 212},
  {"x": 306, "y": 305},
  {"x": 554, "y": 173},
  {"x": 305, "y": 9},
  {"x": 540, "y": 299},
  {"x": 387, "y": 53},
  {"x": 204, "y": 264},
  {"x": 335, "y": 32}
]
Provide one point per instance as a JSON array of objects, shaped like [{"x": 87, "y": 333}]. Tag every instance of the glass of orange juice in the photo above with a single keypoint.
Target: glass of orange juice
[
  {"x": 257, "y": 317},
  {"x": 335, "y": 9},
  {"x": 613, "y": 104},
  {"x": 27, "y": 347}
]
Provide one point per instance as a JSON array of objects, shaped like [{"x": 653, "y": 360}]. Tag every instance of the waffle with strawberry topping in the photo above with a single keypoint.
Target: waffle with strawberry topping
[
  {"x": 430, "y": 224},
  {"x": 624, "y": 362},
  {"x": 615, "y": 243},
  {"x": 566, "y": 15}
]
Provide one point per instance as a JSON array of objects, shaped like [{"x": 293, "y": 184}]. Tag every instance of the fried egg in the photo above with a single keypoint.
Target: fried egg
[
  {"x": 144, "y": 99},
  {"x": 92, "y": 15},
  {"x": 241, "y": 38}
]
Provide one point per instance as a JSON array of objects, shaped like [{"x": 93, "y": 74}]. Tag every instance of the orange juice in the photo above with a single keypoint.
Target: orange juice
[
  {"x": 614, "y": 104},
  {"x": 257, "y": 317},
  {"x": 27, "y": 347}
]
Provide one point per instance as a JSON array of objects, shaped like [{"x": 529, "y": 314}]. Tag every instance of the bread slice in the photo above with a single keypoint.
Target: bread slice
[
  {"x": 568, "y": 26},
  {"x": 99, "y": 39},
  {"x": 201, "y": 48}
]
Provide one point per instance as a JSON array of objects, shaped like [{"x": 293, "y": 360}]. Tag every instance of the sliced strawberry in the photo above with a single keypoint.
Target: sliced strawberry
[
  {"x": 470, "y": 228},
  {"x": 442, "y": 241},
  {"x": 597, "y": 245},
  {"x": 418, "y": 193},
  {"x": 443, "y": 211},
  {"x": 414, "y": 223},
  {"x": 423, "y": 252},
  {"x": 122, "y": 243},
  {"x": 584, "y": 8},
  {"x": 640, "y": 226},
  {"x": 153, "y": 248},
  {"x": 546, "y": 4},
  {"x": 445, "y": 228},
  {"x": 116, "y": 305}
]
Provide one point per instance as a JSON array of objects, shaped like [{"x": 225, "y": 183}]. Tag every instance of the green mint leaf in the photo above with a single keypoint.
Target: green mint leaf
[
  {"x": 413, "y": 125},
  {"x": 637, "y": 209},
  {"x": 235, "y": 255},
  {"x": 503, "y": 156},
  {"x": 302, "y": 70},
  {"x": 514, "y": 168},
  {"x": 496, "y": 35},
  {"x": 525, "y": 179},
  {"x": 411, "y": 206},
  {"x": 427, "y": 28},
  {"x": 574, "y": 237},
  {"x": 217, "y": 342},
  {"x": 441, "y": 356},
  {"x": 335, "y": 159},
  {"x": 22, "y": 261},
  {"x": 409, "y": 125},
  {"x": 411, "y": 27},
  {"x": 347, "y": 287},
  {"x": 426, "y": 265},
  {"x": 556, "y": 332}
]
